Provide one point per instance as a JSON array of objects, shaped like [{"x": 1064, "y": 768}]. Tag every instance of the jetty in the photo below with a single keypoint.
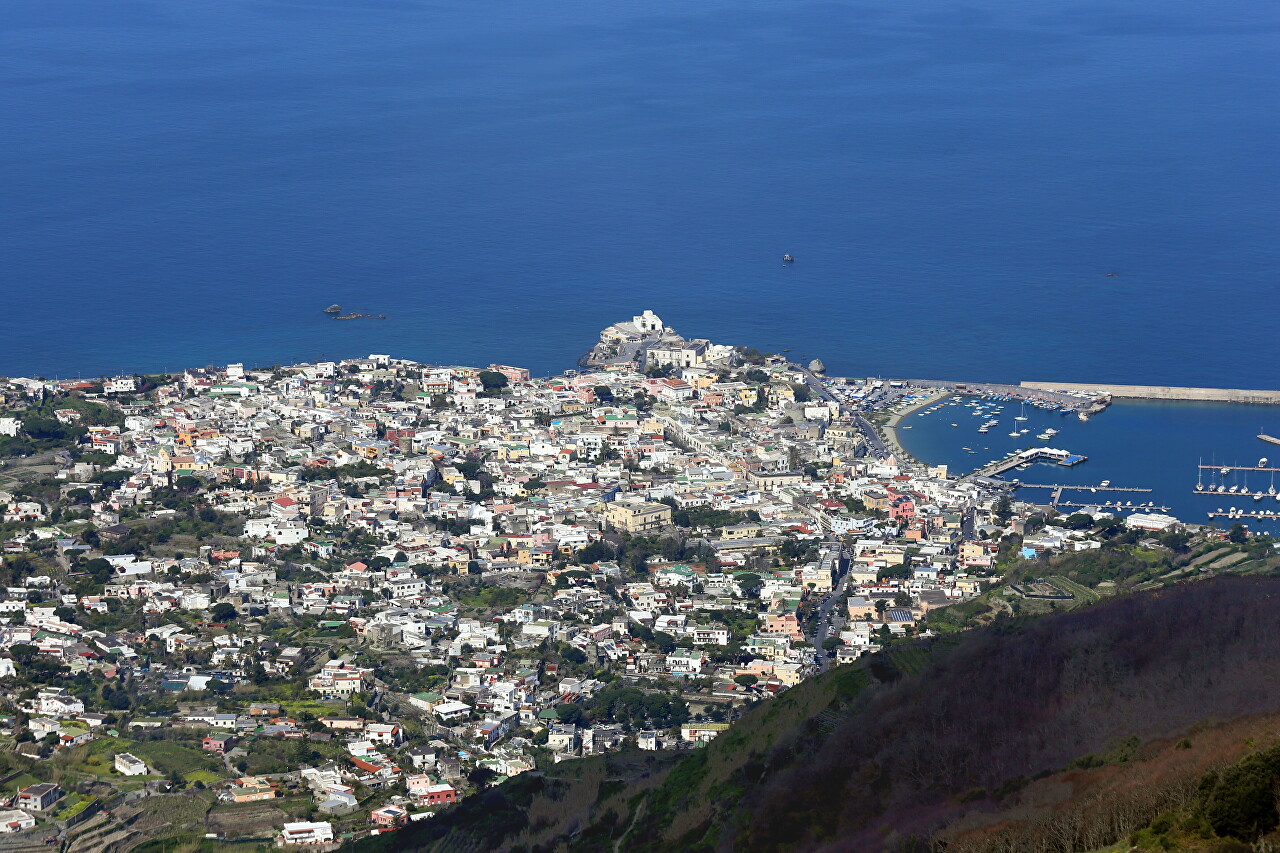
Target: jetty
[
  {"x": 1161, "y": 392},
  {"x": 1114, "y": 505},
  {"x": 1214, "y": 493},
  {"x": 1027, "y": 457},
  {"x": 1064, "y": 487},
  {"x": 1056, "y": 500}
]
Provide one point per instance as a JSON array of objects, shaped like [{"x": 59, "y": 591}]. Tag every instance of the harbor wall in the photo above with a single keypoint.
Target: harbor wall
[{"x": 1162, "y": 392}]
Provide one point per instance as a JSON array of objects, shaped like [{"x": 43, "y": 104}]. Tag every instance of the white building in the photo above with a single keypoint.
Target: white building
[
  {"x": 130, "y": 765},
  {"x": 120, "y": 385},
  {"x": 58, "y": 703},
  {"x": 307, "y": 832},
  {"x": 15, "y": 820},
  {"x": 447, "y": 711},
  {"x": 338, "y": 679}
]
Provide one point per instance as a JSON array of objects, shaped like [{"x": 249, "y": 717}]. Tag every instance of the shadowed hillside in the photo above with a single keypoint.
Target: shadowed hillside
[{"x": 986, "y": 741}]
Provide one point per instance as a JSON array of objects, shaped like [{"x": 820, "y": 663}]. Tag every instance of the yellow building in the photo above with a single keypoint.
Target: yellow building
[{"x": 638, "y": 517}]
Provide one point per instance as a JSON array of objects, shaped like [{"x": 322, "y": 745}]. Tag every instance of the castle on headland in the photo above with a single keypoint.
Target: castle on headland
[{"x": 644, "y": 342}]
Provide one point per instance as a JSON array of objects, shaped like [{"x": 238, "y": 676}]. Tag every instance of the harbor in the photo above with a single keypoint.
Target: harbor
[{"x": 1152, "y": 444}]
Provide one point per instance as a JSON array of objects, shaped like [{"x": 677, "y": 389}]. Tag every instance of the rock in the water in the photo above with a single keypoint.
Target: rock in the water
[{"x": 816, "y": 366}]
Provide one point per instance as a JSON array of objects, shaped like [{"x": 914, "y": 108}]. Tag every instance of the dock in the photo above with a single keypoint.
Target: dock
[
  {"x": 1056, "y": 501},
  {"x": 1234, "y": 468},
  {"x": 1116, "y": 505},
  {"x": 1161, "y": 392},
  {"x": 1261, "y": 515},
  {"x": 1027, "y": 457},
  {"x": 1236, "y": 494},
  {"x": 1064, "y": 486}
]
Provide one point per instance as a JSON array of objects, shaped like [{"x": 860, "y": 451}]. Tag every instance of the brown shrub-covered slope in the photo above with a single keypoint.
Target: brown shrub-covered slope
[{"x": 1057, "y": 733}]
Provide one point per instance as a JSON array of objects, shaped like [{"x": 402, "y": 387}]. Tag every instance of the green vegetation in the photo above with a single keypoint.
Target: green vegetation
[{"x": 903, "y": 739}]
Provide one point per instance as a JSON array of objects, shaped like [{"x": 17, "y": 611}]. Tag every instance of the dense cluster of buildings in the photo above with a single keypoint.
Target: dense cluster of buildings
[{"x": 679, "y": 519}]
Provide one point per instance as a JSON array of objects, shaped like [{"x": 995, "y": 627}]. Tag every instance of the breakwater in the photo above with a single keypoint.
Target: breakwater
[{"x": 1161, "y": 392}]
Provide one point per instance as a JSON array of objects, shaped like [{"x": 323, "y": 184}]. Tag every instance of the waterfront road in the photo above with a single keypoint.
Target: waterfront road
[{"x": 869, "y": 432}]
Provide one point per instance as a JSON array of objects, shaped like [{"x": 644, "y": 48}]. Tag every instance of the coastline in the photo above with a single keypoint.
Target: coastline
[{"x": 889, "y": 432}]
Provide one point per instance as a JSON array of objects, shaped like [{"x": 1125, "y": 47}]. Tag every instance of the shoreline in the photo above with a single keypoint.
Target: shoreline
[{"x": 889, "y": 432}]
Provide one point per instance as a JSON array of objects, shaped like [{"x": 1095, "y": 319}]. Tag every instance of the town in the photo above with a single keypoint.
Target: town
[{"x": 313, "y": 602}]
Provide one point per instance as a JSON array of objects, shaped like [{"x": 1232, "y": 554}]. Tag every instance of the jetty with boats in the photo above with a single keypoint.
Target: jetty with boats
[{"x": 1028, "y": 457}]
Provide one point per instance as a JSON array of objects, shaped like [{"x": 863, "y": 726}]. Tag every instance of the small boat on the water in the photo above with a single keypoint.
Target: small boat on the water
[
  {"x": 333, "y": 309},
  {"x": 786, "y": 259}
]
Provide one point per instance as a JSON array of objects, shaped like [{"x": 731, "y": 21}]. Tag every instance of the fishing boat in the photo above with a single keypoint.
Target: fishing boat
[
  {"x": 333, "y": 309},
  {"x": 786, "y": 259}
]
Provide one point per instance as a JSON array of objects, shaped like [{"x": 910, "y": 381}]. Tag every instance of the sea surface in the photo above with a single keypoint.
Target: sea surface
[
  {"x": 985, "y": 190},
  {"x": 1149, "y": 444}
]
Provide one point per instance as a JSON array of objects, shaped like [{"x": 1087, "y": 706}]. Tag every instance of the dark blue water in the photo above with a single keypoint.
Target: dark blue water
[
  {"x": 1142, "y": 444},
  {"x": 189, "y": 182}
]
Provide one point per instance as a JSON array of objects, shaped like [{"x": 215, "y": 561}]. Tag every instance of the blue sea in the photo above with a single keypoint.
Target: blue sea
[{"x": 188, "y": 182}]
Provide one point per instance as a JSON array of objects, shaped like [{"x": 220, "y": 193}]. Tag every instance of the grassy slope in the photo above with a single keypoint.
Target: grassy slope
[{"x": 883, "y": 755}]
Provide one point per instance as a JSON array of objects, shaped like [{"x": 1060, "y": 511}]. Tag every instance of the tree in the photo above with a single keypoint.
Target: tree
[
  {"x": 187, "y": 484},
  {"x": 572, "y": 713},
  {"x": 1238, "y": 534},
  {"x": 1177, "y": 541},
  {"x": 481, "y": 777},
  {"x": 493, "y": 381},
  {"x": 664, "y": 641},
  {"x": 23, "y": 651},
  {"x": 223, "y": 612},
  {"x": 596, "y": 552},
  {"x": 604, "y": 394},
  {"x": 1078, "y": 521},
  {"x": 1003, "y": 509},
  {"x": 746, "y": 679},
  {"x": 832, "y": 643}
]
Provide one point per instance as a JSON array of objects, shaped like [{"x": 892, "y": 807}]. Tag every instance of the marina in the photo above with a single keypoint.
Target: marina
[{"x": 1175, "y": 436}]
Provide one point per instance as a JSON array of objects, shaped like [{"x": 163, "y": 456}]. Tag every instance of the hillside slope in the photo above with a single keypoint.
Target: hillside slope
[{"x": 977, "y": 742}]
